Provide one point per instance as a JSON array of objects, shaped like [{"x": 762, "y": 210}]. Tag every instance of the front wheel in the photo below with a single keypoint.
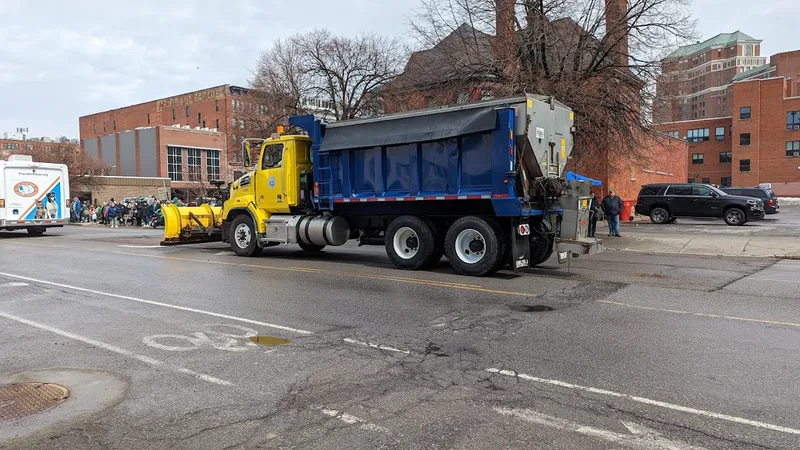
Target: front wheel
[
  {"x": 659, "y": 216},
  {"x": 243, "y": 239},
  {"x": 473, "y": 247},
  {"x": 735, "y": 217},
  {"x": 36, "y": 231}
]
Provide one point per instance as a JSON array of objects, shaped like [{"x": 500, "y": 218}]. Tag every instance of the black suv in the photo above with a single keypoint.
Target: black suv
[
  {"x": 766, "y": 195},
  {"x": 664, "y": 202}
]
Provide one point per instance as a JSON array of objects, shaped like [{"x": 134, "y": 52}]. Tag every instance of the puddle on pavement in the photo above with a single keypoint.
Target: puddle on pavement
[{"x": 269, "y": 341}]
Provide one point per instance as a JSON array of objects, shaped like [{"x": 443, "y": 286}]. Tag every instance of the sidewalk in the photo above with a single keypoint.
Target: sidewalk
[{"x": 718, "y": 245}]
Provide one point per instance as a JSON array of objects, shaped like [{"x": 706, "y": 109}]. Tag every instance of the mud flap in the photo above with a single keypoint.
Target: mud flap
[{"x": 520, "y": 244}]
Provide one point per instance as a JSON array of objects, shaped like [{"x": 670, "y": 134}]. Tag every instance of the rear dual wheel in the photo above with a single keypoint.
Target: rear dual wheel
[
  {"x": 413, "y": 243},
  {"x": 475, "y": 246}
]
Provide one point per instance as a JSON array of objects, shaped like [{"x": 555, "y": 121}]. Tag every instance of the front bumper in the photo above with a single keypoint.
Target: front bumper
[
  {"x": 755, "y": 213},
  {"x": 33, "y": 223}
]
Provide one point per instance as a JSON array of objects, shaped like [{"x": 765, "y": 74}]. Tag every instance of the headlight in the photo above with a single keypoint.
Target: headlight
[{"x": 752, "y": 202}]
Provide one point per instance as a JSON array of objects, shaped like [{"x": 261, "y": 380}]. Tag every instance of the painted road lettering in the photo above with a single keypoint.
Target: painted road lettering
[{"x": 219, "y": 336}]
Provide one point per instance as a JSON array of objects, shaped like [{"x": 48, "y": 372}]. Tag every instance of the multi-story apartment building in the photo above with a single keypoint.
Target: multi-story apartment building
[{"x": 695, "y": 81}]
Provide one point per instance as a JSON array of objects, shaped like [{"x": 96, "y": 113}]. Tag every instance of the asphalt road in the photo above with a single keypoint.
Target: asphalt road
[{"x": 624, "y": 350}]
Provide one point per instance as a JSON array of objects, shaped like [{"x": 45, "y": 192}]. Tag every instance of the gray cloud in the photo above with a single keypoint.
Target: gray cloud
[{"x": 63, "y": 59}]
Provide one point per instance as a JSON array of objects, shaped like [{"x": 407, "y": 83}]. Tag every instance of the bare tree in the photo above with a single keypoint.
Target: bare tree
[
  {"x": 321, "y": 71},
  {"x": 83, "y": 169},
  {"x": 600, "y": 57}
]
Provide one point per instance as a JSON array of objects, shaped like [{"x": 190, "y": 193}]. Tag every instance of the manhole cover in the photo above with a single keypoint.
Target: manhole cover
[
  {"x": 23, "y": 399},
  {"x": 531, "y": 308}
]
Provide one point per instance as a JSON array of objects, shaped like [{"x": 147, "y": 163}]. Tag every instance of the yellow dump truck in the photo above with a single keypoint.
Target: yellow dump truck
[{"x": 482, "y": 183}]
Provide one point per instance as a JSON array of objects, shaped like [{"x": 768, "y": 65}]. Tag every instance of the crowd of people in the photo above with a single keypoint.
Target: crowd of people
[{"x": 141, "y": 212}]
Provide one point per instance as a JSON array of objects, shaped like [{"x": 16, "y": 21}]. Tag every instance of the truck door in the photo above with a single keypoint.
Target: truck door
[
  {"x": 679, "y": 199},
  {"x": 270, "y": 180},
  {"x": 705, "y": 202}
]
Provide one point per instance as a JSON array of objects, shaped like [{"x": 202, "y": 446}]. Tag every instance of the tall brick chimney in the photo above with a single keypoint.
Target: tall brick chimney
[
  {"x": 617, "y": 30},
  {"x": 504, "y": 25}
]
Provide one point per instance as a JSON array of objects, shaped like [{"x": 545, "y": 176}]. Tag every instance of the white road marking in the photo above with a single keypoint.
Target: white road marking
[
  {"x": 165, "y": 305},
  {"x": 647, "y": 401},
  {"x": 352, "y": 420},
  {"x": 639, "y": 437},
  {"x": 378, "y": 346},
  {"x": 141, "y": 246},
  {"x": 14, "y": 284},
  {"x": 118, "y": 350},
  {"x": 208, "y": 338}
]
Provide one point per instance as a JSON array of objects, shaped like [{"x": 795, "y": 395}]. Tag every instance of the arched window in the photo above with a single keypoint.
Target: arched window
[
  {"x": 234, "y": 122},
  {"x": 748, "y": 50}
]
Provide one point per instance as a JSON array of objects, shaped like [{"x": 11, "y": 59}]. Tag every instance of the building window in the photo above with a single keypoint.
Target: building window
[
  {"x": 9, "y": 146},
  {"x": 115, "y": 125},
  {"x": 216, "y": 105},
  {"x": 234, "y": 122},
  {"x": 199, "y": 119},
  {"x": 720, "y": 133},
  {"x": 187, "y": 111},
  {"x": 217, "y": 124},
  {"x": 725, "y": 157},
  {"x": 697, "y": 158},
  {"x": 675, "y": 134},
  {"x": 94, "y": 128},
  {"x": 698, "y": 135},
  {"x": 744, "y": 112},
  {"x": 744, "y": 139},
  {"x": 793, "y": 148},
  {"x": 730, "y": 131},
  {"x": 104, "y": 126},
  {"x": 706, "y": 180},
  {"x": 173, "y": 113},
  {"x": 744, "y": 165},
  {"x": 793, "y": 120},
  {"x": 212, "y": 164},
  {"x": 195, "y": 164},
  {"x": 28, "y": 147},
  {"x": 241, "y": 124},
  {"x": 234, "y": 139},
  {"x": 690, "y": 180},
  {"x": 175, "y": 163},
  {"x": 725, "y": 181},
  {"x": 748, "y": 50}
]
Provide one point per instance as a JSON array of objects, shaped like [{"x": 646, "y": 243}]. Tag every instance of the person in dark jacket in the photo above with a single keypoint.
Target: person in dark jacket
[
  {"x": 612, "y": 206},
  {"x": 594, "y": 213},
  {"x": 113, "y": 214}
]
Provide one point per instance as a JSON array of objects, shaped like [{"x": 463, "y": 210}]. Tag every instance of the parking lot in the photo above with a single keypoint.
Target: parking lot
[{"x": 192, "y": 347}]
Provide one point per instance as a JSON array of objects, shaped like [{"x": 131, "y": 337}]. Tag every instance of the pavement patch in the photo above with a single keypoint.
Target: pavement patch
[
  {"x": 352, "y": 420},
  {"x": 647, "y": 401}
]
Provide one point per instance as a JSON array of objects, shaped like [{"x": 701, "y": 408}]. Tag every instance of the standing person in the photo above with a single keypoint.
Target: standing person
[
  {"x": 75, "y": 212},
  {"x": 113, "y": 214},
  {"x": 594, "y": 213},
  {"x": 612, "y": 207},
  {"x": 93, "y": 213}
]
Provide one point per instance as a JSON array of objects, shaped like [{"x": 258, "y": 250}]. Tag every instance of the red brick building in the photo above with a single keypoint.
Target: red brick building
[
  {"x": 14, "y": 146},
  {"x": 227, "y": 109},
  {"x": 759, "y": 141},
  {"x": 189, "y": 158}
]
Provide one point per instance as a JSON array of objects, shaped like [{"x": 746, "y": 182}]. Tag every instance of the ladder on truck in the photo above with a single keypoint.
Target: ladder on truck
[{"x": 325, "y": 183}]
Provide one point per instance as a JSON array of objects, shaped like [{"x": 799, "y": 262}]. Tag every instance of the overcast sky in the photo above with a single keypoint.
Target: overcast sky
[{"x": 63, "y": 59}]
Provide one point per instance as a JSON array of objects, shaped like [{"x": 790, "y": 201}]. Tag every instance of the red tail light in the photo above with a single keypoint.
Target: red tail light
[{"x": 771, "y": 202}]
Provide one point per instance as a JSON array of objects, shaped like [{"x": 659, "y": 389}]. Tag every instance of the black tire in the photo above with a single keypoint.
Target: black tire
[
  {"x": 483, "y": 247},
  {"x": 438, "y": 245},
  {"x": 310, "y": 248},
  {"x": 542, "y": 250},
  {"x": 415, "y": 244},
  {"x": 659, "y": 216},
  {"x": 243, "y": 226},
  {"x": 503, "y": 259},
  {"x": 36, "y": 231},
  {"x": 672, "y": 220},
  {"x": 735, "y": 217}
]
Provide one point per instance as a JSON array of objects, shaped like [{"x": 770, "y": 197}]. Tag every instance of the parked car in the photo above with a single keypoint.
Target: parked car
[
  {"x": 766, "y": 195},
  {"x": 664, "y": 202}
]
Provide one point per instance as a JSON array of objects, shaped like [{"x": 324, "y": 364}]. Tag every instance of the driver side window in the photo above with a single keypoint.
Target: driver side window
[
  {"x": 701, "y": 191},
  {"x": 272, "y": 157}
]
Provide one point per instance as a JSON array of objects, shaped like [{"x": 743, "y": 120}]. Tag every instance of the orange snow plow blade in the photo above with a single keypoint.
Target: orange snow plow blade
[{"x": 191, "y": 224}]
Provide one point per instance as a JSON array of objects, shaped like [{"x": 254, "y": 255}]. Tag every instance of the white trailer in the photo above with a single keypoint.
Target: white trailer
[{"x": 33, "y": 196}]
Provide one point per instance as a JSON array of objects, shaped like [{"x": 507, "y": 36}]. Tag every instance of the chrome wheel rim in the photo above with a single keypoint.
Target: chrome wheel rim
[
  {"x": 470, "y": 246},
  {"x": 242, "y": 235},
  {"x": 406, "y": 243}
]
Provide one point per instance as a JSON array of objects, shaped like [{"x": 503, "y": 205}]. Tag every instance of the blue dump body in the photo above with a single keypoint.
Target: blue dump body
[{"x": 401, "y": 160}]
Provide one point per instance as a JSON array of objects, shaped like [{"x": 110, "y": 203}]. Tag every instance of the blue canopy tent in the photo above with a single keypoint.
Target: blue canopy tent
[{"x": 575, "y": 176}]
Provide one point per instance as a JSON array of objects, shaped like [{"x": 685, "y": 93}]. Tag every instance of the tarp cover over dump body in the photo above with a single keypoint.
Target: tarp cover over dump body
[{"x": 445, "y": 152}]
